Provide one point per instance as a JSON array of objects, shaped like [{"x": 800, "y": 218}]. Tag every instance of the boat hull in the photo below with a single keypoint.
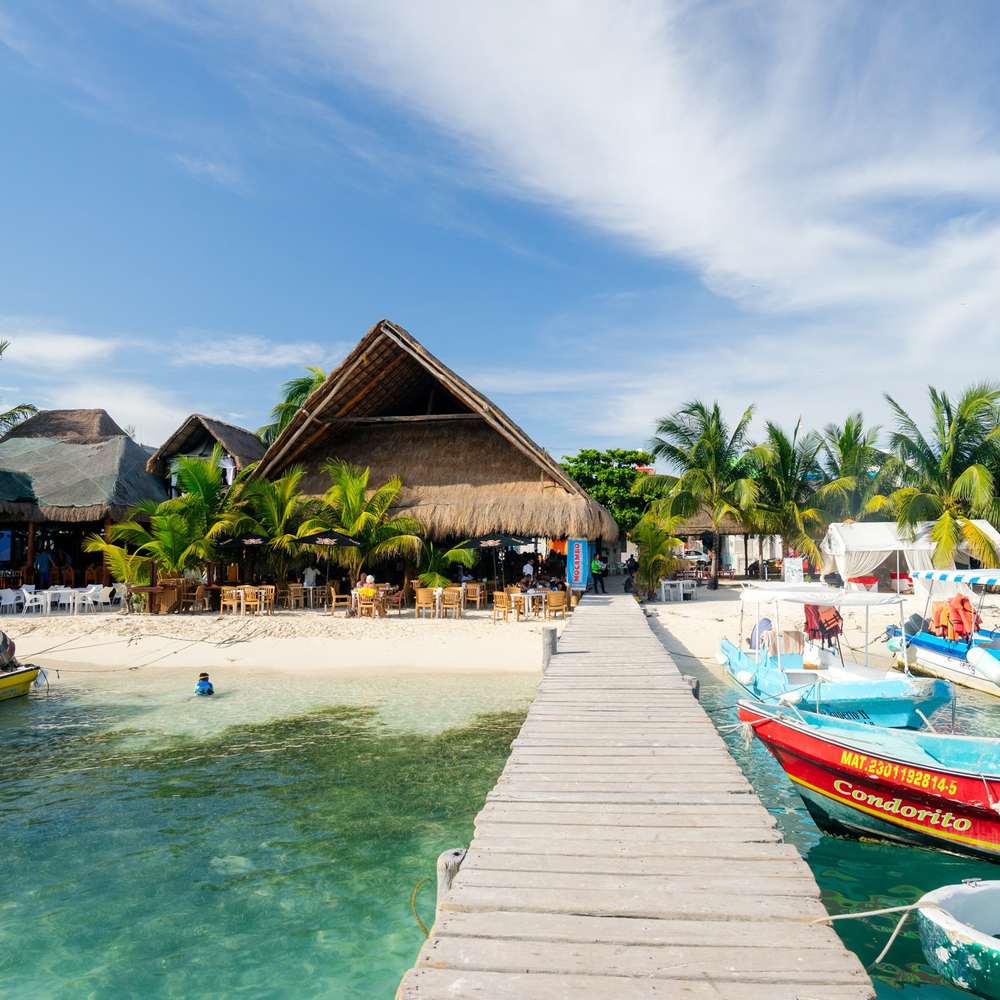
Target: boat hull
[
  {"x": 17, "y": 683},
  {"x": 850, "y": 791},
  {"x": 946, "y": 659},
  {"x": 959, "y": 951},
  {"x": 891, "y": 701}
]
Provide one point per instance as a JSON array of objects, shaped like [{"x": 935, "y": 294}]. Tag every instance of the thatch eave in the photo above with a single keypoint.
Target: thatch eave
[{"x": 241, "y": 445}]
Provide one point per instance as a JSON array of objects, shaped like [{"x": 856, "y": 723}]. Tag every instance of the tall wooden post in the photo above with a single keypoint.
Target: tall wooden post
[
  {"x": 29, "y": 568},
  {"x": 106, "y": 575}
]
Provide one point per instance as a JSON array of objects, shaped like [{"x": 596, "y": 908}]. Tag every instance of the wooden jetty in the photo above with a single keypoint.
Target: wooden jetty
[{"x": 622, "y": 855}]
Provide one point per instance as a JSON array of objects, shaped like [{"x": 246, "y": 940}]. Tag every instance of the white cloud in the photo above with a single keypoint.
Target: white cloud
[
  {"x": 214, "y": 170},
  {"x": 39, "y": 344},
  {"x": 204, "y": 347}
]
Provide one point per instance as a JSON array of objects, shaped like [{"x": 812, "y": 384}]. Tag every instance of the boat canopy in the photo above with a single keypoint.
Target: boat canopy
[
  {"x": 832, "y": 596},
  {"x": 987, "y": 577},
  {"x": 789, "y": 586}
]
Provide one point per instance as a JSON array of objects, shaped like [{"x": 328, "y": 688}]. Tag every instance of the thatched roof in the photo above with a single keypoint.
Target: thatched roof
[
  {"x": 241, "y": 445},
  {"x": 701, "y": 524},
  {"x": 72, "y": 465},
  {"x": 467, "y": 468}
]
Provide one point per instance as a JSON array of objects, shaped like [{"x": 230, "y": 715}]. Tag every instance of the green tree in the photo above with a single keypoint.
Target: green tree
[
  {"x": 277, "y": 510},
  {"x": 659, "y": 551},
  {"x": 164, "y": 536},
  {"x": 435, "y": 563},
  {"x": 349, "y": 507},
  {"x": 849, "y": 453},
  {"x": 294, "y": 393},
  {"x": 128, "y": 568},
  {"x": 791, "y": 490},
  {"x": 608, "y": 476},
  {"x": 16, "y": 414},
  {"x": 947, "y": 474},
  {"x": 715, "y": 466}
]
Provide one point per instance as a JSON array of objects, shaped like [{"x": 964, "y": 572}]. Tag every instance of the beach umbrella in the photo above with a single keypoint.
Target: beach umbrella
[
  {"x": 328, "y": 539},
  {"x": 244, "y": 543}
]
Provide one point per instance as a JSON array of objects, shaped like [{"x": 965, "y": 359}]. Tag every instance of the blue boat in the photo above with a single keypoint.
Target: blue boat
[
  {"x": 974, "y": 663},
  {"x": 820, "y": 679}
]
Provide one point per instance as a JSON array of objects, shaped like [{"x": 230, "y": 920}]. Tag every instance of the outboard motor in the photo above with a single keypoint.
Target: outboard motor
[
  {"x": 915, "y": 624},
  {"x": 7, "y": 661}
]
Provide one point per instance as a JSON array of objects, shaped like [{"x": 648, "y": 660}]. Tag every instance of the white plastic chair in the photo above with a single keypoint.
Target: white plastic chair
[
  {"x": 33, "y": 600},
  {"x": 10, "y": 600},
  {"x": 83, "y": 600},
  {"x": 104, "y": 598}
]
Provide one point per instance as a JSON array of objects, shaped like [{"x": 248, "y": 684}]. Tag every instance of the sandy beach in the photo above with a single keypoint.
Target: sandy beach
[{"x": 303, "y": 642}]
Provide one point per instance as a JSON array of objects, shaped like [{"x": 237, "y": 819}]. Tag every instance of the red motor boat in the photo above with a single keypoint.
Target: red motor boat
[{"x": 923, "y": 788}]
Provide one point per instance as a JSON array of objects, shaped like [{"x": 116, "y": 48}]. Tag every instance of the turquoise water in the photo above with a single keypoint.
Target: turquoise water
[
  {"x": 150, "y": 850},
  {"x": 856, "y": 876}
]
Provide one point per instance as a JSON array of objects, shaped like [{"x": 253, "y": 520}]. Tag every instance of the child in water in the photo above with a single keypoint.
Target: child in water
[{"x": 204, "y": 685}]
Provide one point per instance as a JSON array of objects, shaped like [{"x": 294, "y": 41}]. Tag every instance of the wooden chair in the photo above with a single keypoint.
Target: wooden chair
[
  {"x": 451, "y": 600},
  {"x": 425, "y": 602},
  {"x": 251, "y": 600},
  {"x": 518, "y": 604},
  {"x": 475, "y": 594},
  {"x": 231, "y": 600},
  {"x": 539, "y": 603},
  {"x": 501, "y": 604},
  {"x": 281, "y": 595},
  {"x": 337, "y": 599},
  {"x": 202, "y": 600},
  {"x": 267, "y": 598},
  {"x": 296, "y": 595},
  {"x": 396, "y": 601},
  {"x": 557, "y": 604},
  {"x": 367, "y": 604}
]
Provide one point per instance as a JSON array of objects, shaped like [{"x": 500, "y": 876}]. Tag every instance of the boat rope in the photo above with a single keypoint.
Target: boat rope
[
  {"x": 905, "y": 910},
  {"x": 413, "y": 905}
]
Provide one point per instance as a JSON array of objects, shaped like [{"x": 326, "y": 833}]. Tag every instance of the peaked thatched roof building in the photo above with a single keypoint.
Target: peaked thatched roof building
[
  {"x": 467, "y": 468},
  {"x": 198, "y": 435},
  {"x": 72, "y": 466}
]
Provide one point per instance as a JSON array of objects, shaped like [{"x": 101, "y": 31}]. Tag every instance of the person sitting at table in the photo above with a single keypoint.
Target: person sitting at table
[
  {"x": 309, "y": 576},
  {"x": 464, "y": 575},
  {"x": 525, "y": 584},
  {"x": 558, "y": 584}
]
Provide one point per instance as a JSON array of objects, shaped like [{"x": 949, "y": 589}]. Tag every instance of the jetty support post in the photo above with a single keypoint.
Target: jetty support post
[
  {"x": 447, "y": 868},
  {"x": 550, "y": 637},
  {"x": 695, "y": 685}
]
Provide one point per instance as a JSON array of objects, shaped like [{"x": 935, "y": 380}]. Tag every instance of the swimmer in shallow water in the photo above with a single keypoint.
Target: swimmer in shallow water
[{"x": 204, "y": 685}]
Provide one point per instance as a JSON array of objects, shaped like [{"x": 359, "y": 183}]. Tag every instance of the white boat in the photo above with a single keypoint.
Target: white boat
[
  {"x": 958, "y": 925},
  {"x": 972, "y": 663},
  {"x": 820, "y": 679}
]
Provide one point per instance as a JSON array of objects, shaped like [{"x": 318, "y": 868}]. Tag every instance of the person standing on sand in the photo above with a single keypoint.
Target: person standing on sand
[{"x": 309, "y": 575}]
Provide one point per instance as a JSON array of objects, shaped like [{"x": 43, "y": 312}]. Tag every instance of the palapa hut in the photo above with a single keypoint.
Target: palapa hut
[
  {"x": 467, "y": 468},
  {"x": 65, "y": 474},
  {"x": 197, "y": 437}
]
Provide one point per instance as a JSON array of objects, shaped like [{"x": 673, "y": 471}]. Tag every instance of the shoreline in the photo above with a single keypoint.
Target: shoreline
[{"x": 285, "y": 643}]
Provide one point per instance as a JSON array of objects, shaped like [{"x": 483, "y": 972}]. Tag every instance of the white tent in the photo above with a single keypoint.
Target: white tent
[{"x": 859, "y": 548}]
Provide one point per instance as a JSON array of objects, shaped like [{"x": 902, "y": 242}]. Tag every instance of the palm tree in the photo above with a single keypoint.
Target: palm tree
[
  {"x": 434, "y": 563},
  {"x": 849, "y": 453},
  {"x": 659, "y": 550},
  {"x": 128, "y": 568},
  {"x": 715, "y": 466},
  {"x": 294, "y": 393},
  {"x": 276, "y": 510},
  {"x": 947, "y": 475},
  {"x": 205, "y": 498},
  {"x": 792, "y": 491},
  {"x": 348, "y": 507},
  {"x": 16, "y": 414}
]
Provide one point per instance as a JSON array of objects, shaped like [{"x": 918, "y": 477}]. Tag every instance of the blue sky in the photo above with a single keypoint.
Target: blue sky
[{"x": 592, "y": 211}]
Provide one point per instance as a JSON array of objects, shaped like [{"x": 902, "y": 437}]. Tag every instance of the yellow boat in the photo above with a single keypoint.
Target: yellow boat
[{"x": 16, "y": 683}]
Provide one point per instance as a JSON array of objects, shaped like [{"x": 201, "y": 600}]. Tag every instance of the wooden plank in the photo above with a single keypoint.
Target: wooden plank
[
  {"x": 444, "y": 984},
  {"x": 623, "y": 930},
  {"x": 673, "y": 867},
  {"x": 666, "y": 847},
  {"x": 663, "y": 834},
  {"x": 648, "y": 903},
  {"x": 720, "y": 963}
]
